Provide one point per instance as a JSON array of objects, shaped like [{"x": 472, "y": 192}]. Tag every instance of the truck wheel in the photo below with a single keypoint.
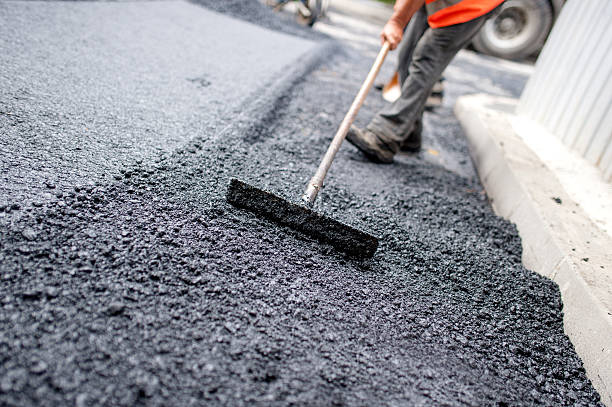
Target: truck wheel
[{"x": 517, "y": 31}]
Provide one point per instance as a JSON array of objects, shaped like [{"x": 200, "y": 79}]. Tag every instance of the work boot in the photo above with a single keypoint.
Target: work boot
[
  {"x": 370, "y": 145},
  {"x": 412, "y": 144}
]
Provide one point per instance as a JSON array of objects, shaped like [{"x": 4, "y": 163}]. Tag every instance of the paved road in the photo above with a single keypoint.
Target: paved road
[
  {"x": 151, "y": 290},
  {"x": 86, "y": 88}
]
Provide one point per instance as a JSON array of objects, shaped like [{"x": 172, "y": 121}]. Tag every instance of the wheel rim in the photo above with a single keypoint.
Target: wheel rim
[{"x": 513, "y": 27}]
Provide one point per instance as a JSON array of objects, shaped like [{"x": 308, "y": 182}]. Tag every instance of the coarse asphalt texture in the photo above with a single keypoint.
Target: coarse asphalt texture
[
  {"x": 91, "y": 86},
  {"x": 149, "y": 289}
]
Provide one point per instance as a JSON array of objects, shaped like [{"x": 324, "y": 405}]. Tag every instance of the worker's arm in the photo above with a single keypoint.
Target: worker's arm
[{"x": 403, "y": 10}]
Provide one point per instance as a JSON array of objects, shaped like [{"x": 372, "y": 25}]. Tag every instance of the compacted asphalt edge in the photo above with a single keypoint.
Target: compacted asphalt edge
[{"x": 152, "y": 290}]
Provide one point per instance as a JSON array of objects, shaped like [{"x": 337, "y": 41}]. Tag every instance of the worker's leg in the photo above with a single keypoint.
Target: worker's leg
[
  {"x": 415, "y": 30},
  {"x": 413, "y": 33},
  {"x": 433, "y": 53}
]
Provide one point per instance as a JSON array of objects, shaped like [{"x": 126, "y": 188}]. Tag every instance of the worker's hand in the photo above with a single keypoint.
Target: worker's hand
[{"x": 392, "y": 32}]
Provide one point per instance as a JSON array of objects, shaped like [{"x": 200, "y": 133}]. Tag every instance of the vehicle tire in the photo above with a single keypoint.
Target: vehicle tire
[{"x": 517, "y": 31}]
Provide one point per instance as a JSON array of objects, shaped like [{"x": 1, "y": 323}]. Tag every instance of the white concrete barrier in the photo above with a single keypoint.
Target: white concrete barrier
[{"x": 570, "y": 92}]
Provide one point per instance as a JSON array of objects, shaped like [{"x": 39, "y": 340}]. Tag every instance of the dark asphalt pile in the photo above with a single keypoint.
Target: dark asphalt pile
[{"x": 152, "y": 290}]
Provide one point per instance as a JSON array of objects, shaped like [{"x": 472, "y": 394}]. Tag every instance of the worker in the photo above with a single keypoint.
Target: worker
[{"x": 437, "y": 30}]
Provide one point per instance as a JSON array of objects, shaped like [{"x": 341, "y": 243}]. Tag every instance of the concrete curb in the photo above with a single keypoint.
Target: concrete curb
[{"x": 556, "y": 238}]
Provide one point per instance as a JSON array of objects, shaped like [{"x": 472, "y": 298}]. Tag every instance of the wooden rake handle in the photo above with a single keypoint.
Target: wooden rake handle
[{"x": 316, "y": 182}]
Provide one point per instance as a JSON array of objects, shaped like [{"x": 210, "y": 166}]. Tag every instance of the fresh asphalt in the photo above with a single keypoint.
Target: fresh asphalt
[
  {"x": 144, "y": 287},
  {"x": 90, "y": 86}
]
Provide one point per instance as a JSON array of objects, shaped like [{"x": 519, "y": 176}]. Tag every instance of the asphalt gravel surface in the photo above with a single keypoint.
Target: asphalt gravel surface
[
  {"x": 149, "y": 289},
  {"x": 89, "y": 86}
]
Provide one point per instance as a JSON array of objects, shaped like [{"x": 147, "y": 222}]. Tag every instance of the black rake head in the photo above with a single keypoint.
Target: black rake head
[{"x": 344, "y": 238}]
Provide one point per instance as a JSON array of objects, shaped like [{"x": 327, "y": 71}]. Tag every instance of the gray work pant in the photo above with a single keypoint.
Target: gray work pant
[{"x": 424, "y": 54}]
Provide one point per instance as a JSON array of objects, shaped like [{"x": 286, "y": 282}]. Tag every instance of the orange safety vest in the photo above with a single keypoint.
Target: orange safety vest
[{"x": 442, "y": 13}]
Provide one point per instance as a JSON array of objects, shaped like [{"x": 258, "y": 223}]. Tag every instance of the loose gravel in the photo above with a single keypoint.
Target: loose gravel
[{"x": 152, "y": 290}]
